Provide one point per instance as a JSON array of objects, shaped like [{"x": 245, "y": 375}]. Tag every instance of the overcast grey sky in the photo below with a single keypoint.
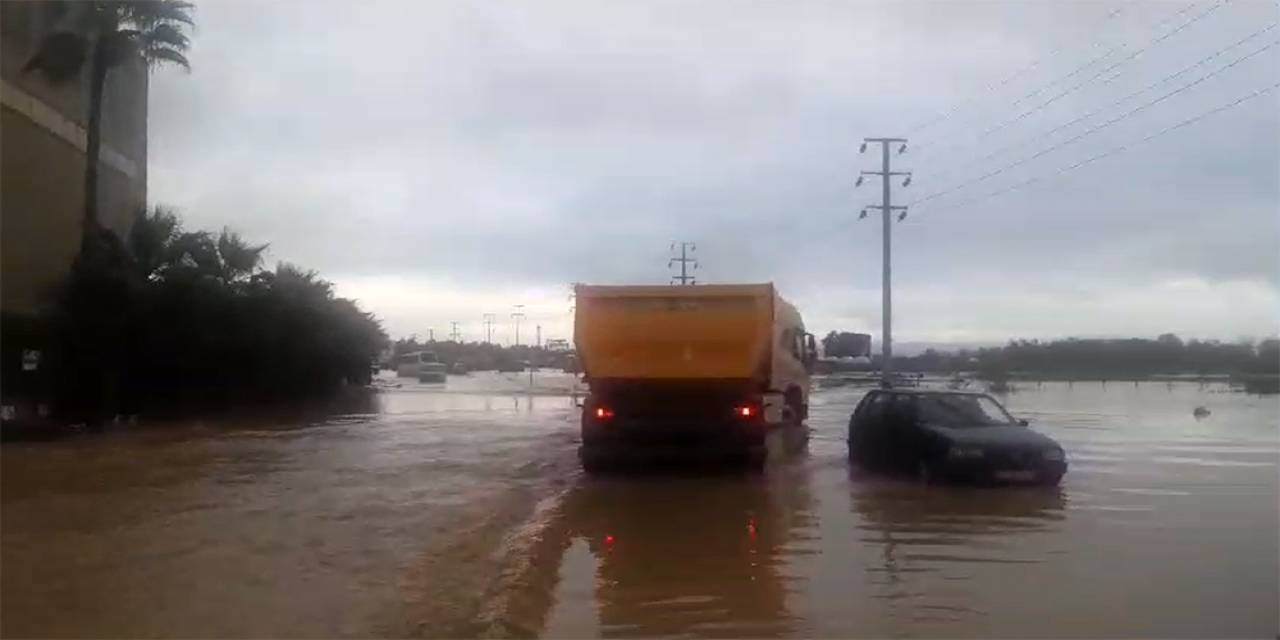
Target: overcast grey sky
[{"x": 441, "y": 160}]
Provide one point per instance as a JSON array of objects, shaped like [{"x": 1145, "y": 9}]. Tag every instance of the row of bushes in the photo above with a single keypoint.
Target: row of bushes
[
  {"x": 170, "y": 319},
  {"x": 1098, "y": 358}
]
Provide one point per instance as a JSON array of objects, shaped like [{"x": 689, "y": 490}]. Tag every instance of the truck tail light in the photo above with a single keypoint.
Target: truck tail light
[{"x": 603, "y": 413}]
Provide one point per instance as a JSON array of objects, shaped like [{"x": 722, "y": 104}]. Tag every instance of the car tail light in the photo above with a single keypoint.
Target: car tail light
[
  {"x": 746, "y": 411},
  {"x": 603, "y": 413}
]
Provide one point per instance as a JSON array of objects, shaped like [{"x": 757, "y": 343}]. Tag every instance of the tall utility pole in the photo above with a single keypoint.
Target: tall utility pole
[
  {"x": 517, "y": 315},
  {"x": 431, "y": 335},
  {"x": 457, "y": 337},
  {"x": 685, "y": 261},
  {"x": 886, "y": 209},
  {"x": 488, "y": 327},
  {"x": 538, "y": 343}
]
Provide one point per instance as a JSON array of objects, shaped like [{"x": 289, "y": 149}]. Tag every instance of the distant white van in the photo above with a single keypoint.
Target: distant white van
[{"x": 413, "y": 365}]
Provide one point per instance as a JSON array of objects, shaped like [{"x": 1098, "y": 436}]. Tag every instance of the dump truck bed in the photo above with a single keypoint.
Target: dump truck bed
[{"x": 657, "y": 333}]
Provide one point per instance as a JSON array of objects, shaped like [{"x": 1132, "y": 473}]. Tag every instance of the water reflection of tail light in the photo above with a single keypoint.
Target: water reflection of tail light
[
  {"x": 603, "y": 413},
  {"x": 746, "y": 411}
]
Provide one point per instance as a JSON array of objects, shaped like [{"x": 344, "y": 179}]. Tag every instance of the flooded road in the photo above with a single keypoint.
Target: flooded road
[{"x": 460, "y": 511}]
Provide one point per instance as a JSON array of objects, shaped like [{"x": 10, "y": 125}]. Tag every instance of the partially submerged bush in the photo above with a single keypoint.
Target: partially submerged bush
[{"x": 177, "y": 318}]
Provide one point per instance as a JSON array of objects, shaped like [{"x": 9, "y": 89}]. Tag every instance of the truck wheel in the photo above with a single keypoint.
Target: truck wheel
[
  {"x": 592, "y": 462},
  {"x": 795, "y": 407}
]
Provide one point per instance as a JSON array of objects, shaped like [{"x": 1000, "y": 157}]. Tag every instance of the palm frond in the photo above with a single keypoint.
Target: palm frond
[
  {"x": 150, "y": 238},
  {"x": 146, "y": 13},
  {"x": 117, "y": 47},
  {"x": 239, "y": 258},
  {"x": 165, "y": 33},
  {"x": 195, "y": 250},
  {"x": 158, "y": 55}
]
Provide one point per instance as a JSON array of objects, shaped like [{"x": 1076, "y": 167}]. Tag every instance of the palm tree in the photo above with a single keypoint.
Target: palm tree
[
  {"x": 150, "y": 237},
  {"x": 239, "y": 258},
  {"x": 104, "y": 34}
]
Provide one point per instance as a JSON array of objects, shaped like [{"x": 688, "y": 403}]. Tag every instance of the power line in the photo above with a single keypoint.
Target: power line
[
  {"x": 1119, "y": 149},
  {"x": 1039, "y": 137},
  {"x": 1094, "y": 129},
  {"x": 945, "y": 115},
  {"x": 1062, "y": 94}
]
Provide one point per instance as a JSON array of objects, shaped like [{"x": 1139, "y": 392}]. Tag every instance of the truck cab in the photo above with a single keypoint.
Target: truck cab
[{"x": 712, "y": 371}]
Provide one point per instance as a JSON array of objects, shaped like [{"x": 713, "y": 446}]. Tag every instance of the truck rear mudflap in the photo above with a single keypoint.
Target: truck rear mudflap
[{"x": 610, "y": 456}]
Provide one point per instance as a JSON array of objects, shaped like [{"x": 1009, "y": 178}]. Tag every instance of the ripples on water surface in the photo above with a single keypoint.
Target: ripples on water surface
[
  {"x": 1165, "y": 526},
  {"x": 394, "y": 517}
]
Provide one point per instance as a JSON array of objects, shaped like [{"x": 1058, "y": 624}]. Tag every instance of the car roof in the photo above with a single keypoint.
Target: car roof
[{"x": 938, "y": 392}]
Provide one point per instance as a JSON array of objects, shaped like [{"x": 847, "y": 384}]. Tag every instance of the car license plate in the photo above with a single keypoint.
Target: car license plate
[{"x": 1016, "y": 476}]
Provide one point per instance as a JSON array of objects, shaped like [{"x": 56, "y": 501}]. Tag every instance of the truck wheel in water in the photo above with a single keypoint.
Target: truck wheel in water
[{"x": 592, "y": 462}]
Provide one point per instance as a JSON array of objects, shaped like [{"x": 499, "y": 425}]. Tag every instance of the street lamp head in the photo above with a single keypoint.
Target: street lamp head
[
  {"x": 902, "y": 216},
  {"x": 907, "y": 182},
  {"x": 863, "y": 214},
  {"x": 903, "y": 148},
  {"x": 859, "y": 182},
  {"x": 863, "y": 148}
]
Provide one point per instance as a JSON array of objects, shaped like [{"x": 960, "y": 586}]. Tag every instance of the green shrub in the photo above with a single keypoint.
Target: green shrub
[{"x": 186, "y": 319}]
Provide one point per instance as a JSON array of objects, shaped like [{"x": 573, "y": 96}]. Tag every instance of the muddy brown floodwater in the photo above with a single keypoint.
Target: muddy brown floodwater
[{"x": 459, "y": 510}]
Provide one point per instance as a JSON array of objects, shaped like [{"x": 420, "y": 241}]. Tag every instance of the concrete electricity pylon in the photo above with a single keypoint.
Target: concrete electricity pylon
[
  {"x": 886, "y": 209},
  {"x": 685, "y": 261},
  {"x": 488, "y": 327},
  {"x": 517, "y": 315}
]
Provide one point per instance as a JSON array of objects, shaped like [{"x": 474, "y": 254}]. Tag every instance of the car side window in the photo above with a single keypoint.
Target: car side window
[
  {"x": 864, "y": 405},
  {"x": 902, "y": 408},
  {"x": 873, "y": 406}
]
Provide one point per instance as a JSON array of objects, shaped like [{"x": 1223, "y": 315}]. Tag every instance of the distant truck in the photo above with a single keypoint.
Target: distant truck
[{"x": 679, "y": 372}]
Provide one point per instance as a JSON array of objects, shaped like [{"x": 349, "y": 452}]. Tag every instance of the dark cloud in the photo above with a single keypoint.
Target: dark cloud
[{"x": 459, "y": 156}]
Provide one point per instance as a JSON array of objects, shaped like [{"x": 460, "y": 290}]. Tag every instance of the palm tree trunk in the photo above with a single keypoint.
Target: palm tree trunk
[{"x": 93, "y": 142}]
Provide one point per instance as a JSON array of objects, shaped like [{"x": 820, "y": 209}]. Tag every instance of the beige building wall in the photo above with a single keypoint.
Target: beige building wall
[{"x": 42, "y": 141}]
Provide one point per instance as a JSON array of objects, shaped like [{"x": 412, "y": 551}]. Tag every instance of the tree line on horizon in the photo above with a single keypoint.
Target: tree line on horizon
[
  {"x": 481, "y": 356},
  {"x": 1098, "y": 358}
]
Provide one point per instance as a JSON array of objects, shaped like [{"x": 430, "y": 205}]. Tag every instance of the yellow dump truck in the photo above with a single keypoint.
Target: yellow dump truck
[{"x": 718, "y": 370}]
